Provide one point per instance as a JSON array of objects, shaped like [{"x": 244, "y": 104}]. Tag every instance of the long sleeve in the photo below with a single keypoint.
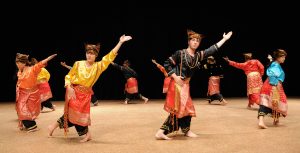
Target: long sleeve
[
  {"x": 162, "y": 69},
  {"x": 171, "y": 62},
  {"x": 209, "y": 51},
  {"x": 44, "y": 74},
  {"x": 106, "y": 60},
  {"x": 117, "y": 66},
  {"x": 71, "y": 74},
  {"x": 241, "y": 66}
]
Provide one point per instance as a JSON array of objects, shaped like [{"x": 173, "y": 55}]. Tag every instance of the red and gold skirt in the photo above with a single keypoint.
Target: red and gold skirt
[{"x": 131, "y": 86}]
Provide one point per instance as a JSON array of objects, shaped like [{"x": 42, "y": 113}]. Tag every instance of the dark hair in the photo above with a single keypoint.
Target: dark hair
[
  {"x": 126, "y": 62},
  {"x": 279, "y": 53},
  {"x": 92, "y": 47}
]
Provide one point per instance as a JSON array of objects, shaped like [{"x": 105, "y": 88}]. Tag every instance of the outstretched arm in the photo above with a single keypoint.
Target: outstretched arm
[
  {"x": 65, "y": 65},
  {"x": 224, "y": 39},
  {"x": 123, "y": 39},
  {"x": 48, "y": 59}
]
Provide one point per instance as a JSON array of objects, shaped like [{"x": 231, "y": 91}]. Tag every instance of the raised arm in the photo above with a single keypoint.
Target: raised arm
[
  {"x": 48, "y": 59},
  {"x": 123, "y": 39},
  {"x": 65, "y": 65},
  {"x": 224, "y": 39}
]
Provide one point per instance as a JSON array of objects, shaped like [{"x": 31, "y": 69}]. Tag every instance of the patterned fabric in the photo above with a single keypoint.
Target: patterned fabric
[
  {"x": 28, "y": 105},
  {"x": 179, "y": 101},
  {"x": 131, "y": 86},
  {"x": 167, "y": 81},
  {"x": 274, "y": 97},
  {"x": 45, "y": 91},
  {"x": 213, "y": 85}
]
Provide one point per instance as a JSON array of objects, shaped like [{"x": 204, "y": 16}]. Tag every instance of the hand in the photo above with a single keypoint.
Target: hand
[
  {"x": 153, "y": 61},
  {"x": 270, "y": 57},
  {"x": 71, "y": 93},
  {"x": 228, "y": 35},
  {"x": 226, "y": 59},
  {"x": 124, "y": 38},
  {"x": 63, "y": 63},
  {"x": 178, "y": 80}
]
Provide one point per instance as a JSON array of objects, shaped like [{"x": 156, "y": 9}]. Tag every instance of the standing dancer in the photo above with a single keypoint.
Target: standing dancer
[
  {"x": 131, "y": 87},
  {"x": 273, "y": 100},
  {"x": 28, "y": 100},
  {"x": 79, "y": 82},
  {"x": 94, "y": 99},
  {"x": 44, "y": 88},
  {"x": 254, "y": 71},
  {"x": 181, "y": 66},
  {"x": 215, "y": 74}
]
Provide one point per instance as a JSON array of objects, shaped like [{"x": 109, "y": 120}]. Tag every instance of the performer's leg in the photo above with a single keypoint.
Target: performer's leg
[
  {"x": 83, "y": 130},
  {"x": 48, "y": 104},
  {"x": 128, "y": 97},
  {"x": 59, "y": 123},
  {"x": 144, "y": 98},
  {"x": 185, "y": 123},
  {"x": 94, "y": 100},
  {"x": 30, "y": 125},
  {"x": 262, "y": 111},
  {"x": 169, "y": 126}
]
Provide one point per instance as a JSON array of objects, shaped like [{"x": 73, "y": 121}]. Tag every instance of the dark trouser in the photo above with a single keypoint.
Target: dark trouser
[
  {"x": 263, "y": 110},
  {"x": 213, "y": 97},
  {"x": 94, "y": 99},
  {"x": 47, "y": 104},
  {"x": 173, "y": 123},
  {"x": 81, "y": 130},
  {"x": 29, "y": 124},
  {"x": 133, "y": 96}
]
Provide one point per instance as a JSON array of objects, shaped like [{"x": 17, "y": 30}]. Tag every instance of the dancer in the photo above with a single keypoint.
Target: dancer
[
  {"x": 28, "y": 101},
  {"x": 79, "y": 82},
  {"x": 215, "y": 74},
  {"x": 273, "y": 101},
  {"x": 44, "y": 88},
  {"x": 254, "y": 71},
  {"x": 94, "y": 99},
  {"x": 181, "y": 66},
  {"x": 131, "y": 87}
]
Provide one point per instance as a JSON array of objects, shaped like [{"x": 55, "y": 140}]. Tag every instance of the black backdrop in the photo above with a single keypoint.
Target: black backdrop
[{"x": 157, "y": 32}]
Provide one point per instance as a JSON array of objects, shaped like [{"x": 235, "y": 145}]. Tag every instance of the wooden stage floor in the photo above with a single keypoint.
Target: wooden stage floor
[{"x": 119, "y": 128}]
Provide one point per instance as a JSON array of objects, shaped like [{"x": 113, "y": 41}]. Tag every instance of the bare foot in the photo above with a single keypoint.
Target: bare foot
[
  {"x": 191, "y": 134},
  {"x": 224, "y": 102},
  {"x": 51, "y": 129},
  {"x": 262, "y": 126},
  {"x": 88, "y": 137},
  {"x": 33, "y": 130},
  {"x": 161, "y": 136},
  {"x": 146, "y": 100},
  {"x": 125, "y": 102},
  {"x": 276, "y": 123},
  {"x": 53, "y": 108}
]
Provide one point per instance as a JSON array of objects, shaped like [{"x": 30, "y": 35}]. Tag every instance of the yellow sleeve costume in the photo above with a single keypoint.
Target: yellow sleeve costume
[
  {"x": 44, "y": 74},
  {"x": 87, "y": 76}
]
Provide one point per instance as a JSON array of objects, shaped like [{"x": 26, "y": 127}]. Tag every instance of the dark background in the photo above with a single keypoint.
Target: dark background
[{"x": 157, "y": 33}]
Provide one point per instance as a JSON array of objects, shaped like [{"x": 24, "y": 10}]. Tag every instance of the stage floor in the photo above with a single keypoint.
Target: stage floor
[{"x": 119, "y": 128}]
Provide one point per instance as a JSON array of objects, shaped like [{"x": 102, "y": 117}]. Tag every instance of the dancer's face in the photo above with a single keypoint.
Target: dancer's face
[
  {"x": 90, "y": 56},
  {"x": 194, "y": 43},
  {"x": 20, "y": 65},
  {"x": 280, "y": 59}
]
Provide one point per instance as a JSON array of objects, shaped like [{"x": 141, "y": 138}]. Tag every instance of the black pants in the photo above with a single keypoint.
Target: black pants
[
  {"x": 173, "y": 123},
  {"x": 94, "y": 99},
  {"x": 81, "y": 130},
  {"x": 133, "y": 96},
  {"x": 263, "y": 110},
  {"x": 29, "y": 124},
  {"x": 215, "y": 97},
  {"x": 47, "y": 104}
]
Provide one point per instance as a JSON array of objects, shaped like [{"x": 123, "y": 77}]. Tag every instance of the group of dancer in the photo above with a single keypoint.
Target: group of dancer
[{"x": 177, "y": 69}]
